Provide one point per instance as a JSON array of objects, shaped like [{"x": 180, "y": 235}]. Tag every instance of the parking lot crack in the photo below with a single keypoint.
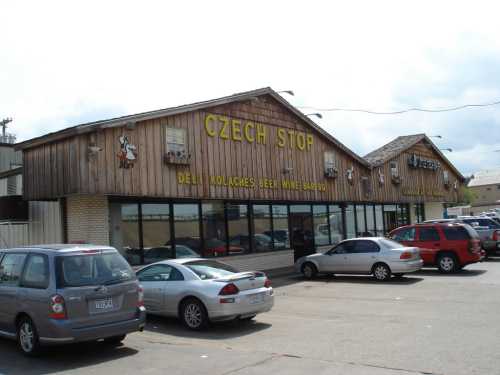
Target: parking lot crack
[{"x": 250, "y": 365}]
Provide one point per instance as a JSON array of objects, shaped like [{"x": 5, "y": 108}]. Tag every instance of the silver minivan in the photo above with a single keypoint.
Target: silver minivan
[{"x": 57, "y": 294}]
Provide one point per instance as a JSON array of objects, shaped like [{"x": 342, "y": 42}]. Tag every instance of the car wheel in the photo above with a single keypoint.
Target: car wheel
[
  {"x": 309, "y": 271},
  {"x": 194, "y": 315},
  {"x": 115, "y": 340},
  {"x": 27, "y": 337},
  {"x": 381, "y": 272},
  {"x": 447, "y": 263}
]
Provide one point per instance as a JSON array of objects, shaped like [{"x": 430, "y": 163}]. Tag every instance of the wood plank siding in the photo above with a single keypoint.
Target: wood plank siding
[
  {"x": 65, "y": 166},
  {"x": 416, "y": 185}
]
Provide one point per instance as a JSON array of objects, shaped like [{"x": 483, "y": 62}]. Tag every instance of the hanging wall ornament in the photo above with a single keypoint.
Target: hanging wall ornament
[
  {"x": 127, "y": 154},
  {"x": 350, "y": 175},
  {"x": 381, "y": 177}
]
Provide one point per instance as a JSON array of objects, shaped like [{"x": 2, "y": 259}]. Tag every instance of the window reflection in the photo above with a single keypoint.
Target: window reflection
[
  {"x": 187, "y": 227},
  {"x": 360, "y": 220},
  {"x": 336, "y": 230},
  {"x": 350, "y": 221},
  {"x": 321, "y": 230},
  {"x": 124, "y": 231},
  {"x": 280, "y": 227},
  {"x": 379, "y": 218},
  {"x": 214, "y": 229},
  {"x": 370, "y": 221},
  {"x": 156, "y": 232},
  {"x": 239, "y": 239},
  {"x": 262, "y": 227}
]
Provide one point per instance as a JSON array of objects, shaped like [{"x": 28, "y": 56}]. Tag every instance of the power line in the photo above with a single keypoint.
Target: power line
[{"x": 415, "y": 109}]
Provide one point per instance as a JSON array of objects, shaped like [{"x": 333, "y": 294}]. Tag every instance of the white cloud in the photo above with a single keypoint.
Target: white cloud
[{"x": 67, "y": 62}]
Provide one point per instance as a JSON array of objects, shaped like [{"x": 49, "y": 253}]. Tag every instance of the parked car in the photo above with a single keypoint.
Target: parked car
[
  {"x": 447, "y": 246},
  {"x": 262, "y": 242},
  {"x": 372, "y": 255},
  {"x": 58, "y": 294},
  {"x": 198, "y": 291},
  {"x": 155, "y": 254},
  {"x": 487, "y": 229}
]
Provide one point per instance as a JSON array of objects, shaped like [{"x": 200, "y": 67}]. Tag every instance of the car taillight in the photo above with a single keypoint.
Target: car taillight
[
  {"x": 140, "y": 296},
  {"x": 57, "y": 307},
  {"x": 406, "y": 255},
  {"x": 496, "y": 235},
  {"x": 228, "y": 290},
  {"x": 267, "y": 283},
  {"x": 475, "y": 246}
]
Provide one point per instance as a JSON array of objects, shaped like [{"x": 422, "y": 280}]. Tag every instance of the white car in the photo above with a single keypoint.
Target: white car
[
  {"x": 371, "y": 255},
  {"x": 198, "y": 291}
]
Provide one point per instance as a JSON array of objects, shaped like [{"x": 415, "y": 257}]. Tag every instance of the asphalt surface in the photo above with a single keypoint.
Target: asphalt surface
[{"x": 426, "y": 323}]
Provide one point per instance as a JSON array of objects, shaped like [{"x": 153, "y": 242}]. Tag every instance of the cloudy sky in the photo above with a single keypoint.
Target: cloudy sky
[{"x": 63, "y": 63}]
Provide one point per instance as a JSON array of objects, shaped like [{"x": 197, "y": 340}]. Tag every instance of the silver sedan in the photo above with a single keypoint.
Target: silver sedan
[
  {"x": 198, "y": 291},
  {"x": 372, "y": 255}
]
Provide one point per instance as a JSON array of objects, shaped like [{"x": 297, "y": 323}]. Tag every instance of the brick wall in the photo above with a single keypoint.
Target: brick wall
[{"x": 87, "y": 219}]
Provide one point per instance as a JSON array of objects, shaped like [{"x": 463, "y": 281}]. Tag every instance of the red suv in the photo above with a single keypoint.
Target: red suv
[{"x": 450, "y": 247}]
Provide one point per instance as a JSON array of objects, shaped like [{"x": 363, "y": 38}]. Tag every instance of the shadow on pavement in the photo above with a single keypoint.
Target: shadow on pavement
[
  {"x": 216, "y": 331},
  {"x": 463, "y": 273},
  {"x": 353, "y": 279},
  {"x": 59, "y": 358}
]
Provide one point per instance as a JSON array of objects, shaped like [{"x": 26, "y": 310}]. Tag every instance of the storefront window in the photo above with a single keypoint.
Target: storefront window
[
  {"x": 379, "y": 219},
  {"x": 336, "y": 229},
  {"x": 403, "y": 214},
  {"x": 350, "y": 221},
  {"x": 239, "y": 238},
  {"x": 156, "y": 232},
  {"x": 124, "y": 231},
  {"x": 390, "y": 217},
  {"x": 321, "y": 232},
  {"x": 280, "y": 227},
  {"x": 214, "y": 229},
  {"x": 360, "y": 221},
  {"x": 419, "y": 213},
  {"x": 187, "y": 227},
  {"x": 262, "y": 227},
  {"x": 370, "y": 220}
]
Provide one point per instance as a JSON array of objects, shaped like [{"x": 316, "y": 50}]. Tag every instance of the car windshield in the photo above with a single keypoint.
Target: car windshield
[
  {"x": 390, "y": 244},
  {"x": 93, "y": 269},
  {"x": 209, "y": 269}
]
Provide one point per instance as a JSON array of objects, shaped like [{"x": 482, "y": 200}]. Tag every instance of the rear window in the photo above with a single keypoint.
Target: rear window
[
  {"x": 104, "y": 268},
  {"x": 457, "y": 233},
  {"x": 210, "y": 269}
]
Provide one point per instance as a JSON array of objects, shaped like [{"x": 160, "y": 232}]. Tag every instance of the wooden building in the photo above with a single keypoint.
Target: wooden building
[{"x": 246, "y": 175}]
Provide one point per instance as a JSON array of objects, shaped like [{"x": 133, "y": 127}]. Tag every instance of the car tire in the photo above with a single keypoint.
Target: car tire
[
  {"x": 309, "y": 270},
  {"x": 194, "y": 314},
  {"x": 447, "y": 263},
  {"x": 27, "y": 337},
  {"x": 115, "y": 340},
  {"x": 381, "y": 272}
]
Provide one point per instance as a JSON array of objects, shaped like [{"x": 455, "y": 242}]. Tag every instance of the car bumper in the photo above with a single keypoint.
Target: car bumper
[
  {"x": 243, "y": 306},
  {"x": 62, "y": 331},
  {"x": 406, "y": 266}
]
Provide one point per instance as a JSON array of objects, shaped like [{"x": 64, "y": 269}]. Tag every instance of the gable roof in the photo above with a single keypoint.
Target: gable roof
[
  {"x": 400, "y": 145},
  {"x": 124, "y": 120},
  {"x": 486, "y": 177}
]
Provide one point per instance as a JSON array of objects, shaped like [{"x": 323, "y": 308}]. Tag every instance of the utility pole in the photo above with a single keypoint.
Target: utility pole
[{"x": 3, "y": 124}]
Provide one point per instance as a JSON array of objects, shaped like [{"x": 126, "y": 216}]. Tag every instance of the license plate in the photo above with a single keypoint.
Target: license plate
[
  {"x": 256, "y": 298},
  {"x": 104, "y": 304}
]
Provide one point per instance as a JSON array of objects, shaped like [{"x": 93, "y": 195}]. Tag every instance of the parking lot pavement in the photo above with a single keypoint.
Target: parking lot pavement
[{"x": 426, "y": 323}]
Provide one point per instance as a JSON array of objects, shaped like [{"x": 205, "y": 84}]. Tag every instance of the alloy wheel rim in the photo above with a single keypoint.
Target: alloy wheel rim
[
  {"x": 380, "y": 273},
  {"x": 192, "y": 315},
  {"x": 447, "y": 263},
  {"x": 26, "y": 337}
]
